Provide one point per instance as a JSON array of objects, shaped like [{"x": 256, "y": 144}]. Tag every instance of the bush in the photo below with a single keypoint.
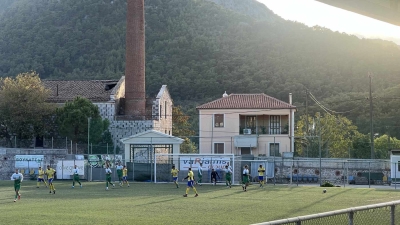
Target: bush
[{"x": 327, "y": 184}]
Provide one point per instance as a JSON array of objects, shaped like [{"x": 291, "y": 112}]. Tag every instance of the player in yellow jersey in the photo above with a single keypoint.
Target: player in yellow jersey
[
  {"x": 40, "y": 177},
  {"x": 261, "y": 171},
  {"x": 50, "y": 176},
  {"x": 190, "y": 184},
  {"x": 125, "y": 176},
  {"x": 174, "y": 173}
]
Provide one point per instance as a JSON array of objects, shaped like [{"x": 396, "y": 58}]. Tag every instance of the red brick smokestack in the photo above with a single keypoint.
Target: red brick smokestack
[{"x": 135, "y": 94}]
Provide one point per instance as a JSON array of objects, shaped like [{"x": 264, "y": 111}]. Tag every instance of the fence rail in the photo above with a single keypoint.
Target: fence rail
[{"x": 384, "y": 213}]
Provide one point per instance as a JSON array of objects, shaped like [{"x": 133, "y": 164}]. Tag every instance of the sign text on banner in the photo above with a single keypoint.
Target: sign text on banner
[
  {"x": 65, "y": 168},
  {"x": 209, "y": 163},
  {"x": 28, "y": 161}
]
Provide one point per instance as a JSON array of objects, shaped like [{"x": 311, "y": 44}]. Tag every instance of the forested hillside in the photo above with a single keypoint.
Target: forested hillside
[{"x": 200, "y": 49}]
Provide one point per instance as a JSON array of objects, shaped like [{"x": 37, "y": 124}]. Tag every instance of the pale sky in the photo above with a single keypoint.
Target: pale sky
[{"x": 313, "y": 13}]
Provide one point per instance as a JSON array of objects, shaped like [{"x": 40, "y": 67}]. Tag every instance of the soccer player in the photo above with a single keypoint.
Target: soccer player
[
  {"x": 125, "y": 176},
  {"x": 200, "y": 173},
  {"x": 261, "y": 171},
  {"x": 119, "y": 173},
  {"x": 174, "y": 173},
  {"x": 228, "y": 179},
  {"x": 17, "y": 178},
  {"x": 50, "y": 176},
  {"x": 229, "y": 167},
  {"x": 76, "y": 177},
  {"x": 40, "y": 177},
  {"x": 108, "y": 177},
  {"x": 190, "y": 184},
  {"x": 214, "y": 176},
  {"x": 245, "y": 179}
]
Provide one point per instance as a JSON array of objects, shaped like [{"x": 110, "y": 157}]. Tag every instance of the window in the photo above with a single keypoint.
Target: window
[
  {"x": 219, "y": 148},
  {"x": 245, "y": 151},
  {"x": 275, "y": 124},
  {"x": 274, "y": 149},
  {"x": 218, "y": 120},
  {"x": 165, "y": 108},
  {"x": 160, "y": 111}
]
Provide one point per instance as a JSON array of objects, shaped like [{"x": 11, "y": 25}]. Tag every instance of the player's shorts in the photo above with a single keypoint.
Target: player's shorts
[
  {"x": 125, "y": 178},
  {"x": 40, "y": 179},
  {"x": 261, "y": 178},
  {"x": 174, "y": 178},
  {"x": 76, "y": 177},
  {"x": 228, "y": 178},
  {"x": 245, "y": 179},
  {"x": 190, "y": 183},
  {"x": 50, "y": 180},
  {"x": 17, "y": 187}
]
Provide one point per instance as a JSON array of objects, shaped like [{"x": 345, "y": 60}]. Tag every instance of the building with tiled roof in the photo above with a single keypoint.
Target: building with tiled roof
[
  {"x": 67, "y": 90},
  {"x": 246, "y": 124},
  {"x": 109, "y": 97}
]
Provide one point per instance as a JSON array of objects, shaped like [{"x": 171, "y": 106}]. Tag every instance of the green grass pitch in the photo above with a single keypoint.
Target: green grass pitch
[{"x": 148, "y": 203}]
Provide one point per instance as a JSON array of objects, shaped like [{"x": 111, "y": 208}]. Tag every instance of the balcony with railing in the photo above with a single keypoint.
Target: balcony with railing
[
  {"x": 264, "y": 130},
  {"x": 263, "y": 124}
]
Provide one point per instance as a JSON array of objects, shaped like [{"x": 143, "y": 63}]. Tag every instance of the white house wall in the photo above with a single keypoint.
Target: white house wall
[{"x": 210, "y": 134}]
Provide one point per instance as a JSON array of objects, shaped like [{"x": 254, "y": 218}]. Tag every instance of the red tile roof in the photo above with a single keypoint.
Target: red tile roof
[
  {"x": 67, "y": 90},
  {"x": 247, "y": 101}
]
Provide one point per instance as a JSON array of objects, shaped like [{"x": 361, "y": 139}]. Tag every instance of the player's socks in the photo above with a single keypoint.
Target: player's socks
[
  {"x": 195, "y": 191},
  {"x": 187, "y": 190}
]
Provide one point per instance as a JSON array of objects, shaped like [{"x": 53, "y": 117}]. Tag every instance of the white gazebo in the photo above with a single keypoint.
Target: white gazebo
[{"x": 141, "y": 148}]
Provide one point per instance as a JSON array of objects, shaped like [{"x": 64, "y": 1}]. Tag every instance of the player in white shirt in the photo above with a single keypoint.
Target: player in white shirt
[
  {"x": 245, "y": 179},
  {"x": 76, "y": 177},
  {"x": 200, "y": 173},
  {"x": 17, "y": 178},
  {"x": 119, "y": 173},
  {"x": 108, "y": 177}
]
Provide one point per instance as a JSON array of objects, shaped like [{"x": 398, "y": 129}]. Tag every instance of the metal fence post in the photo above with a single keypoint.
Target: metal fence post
[
  {"x": 351, "y": 218},
  {"x": 369, "y": 174},
  {"x": 392, "y": 213}
]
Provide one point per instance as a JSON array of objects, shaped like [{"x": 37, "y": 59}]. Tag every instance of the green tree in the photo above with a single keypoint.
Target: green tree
[
  {"x": 182, "y": 128},
  {"x": 188, "y": 146},
  {"x": 383, "y": 144},
  {"x": 336, "y": 133},
  {"x": 361, "y": 147},
  {"x": 23, "y": 107},
  {"x": 73, "y": 121}
]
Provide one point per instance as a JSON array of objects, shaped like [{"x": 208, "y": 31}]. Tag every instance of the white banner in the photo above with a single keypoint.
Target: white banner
[
  {"x": 209, "y": 163},
  {"x": 28, "y": 161},
  {"x": 65, "y": 168}
]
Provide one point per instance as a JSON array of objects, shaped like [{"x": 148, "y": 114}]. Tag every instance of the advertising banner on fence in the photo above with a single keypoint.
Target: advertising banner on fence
[
  {"x": 99, "y": 161},
  {"x": 28, "y": 161},
  {"x": 209, "y": 163},
  {"x": 65, "y": 168}
]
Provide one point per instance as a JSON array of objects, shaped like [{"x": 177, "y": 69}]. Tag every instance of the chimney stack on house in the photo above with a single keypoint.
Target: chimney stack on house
[{"x": 135, "y": 94}]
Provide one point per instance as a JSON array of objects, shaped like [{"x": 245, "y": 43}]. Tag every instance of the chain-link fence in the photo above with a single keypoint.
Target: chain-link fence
[
  {"x": 60, "y": 143},
  {"x": 279, "y": 170},
  {"x": 182, "y": 162},
  {"x": 383, "y": 213}
]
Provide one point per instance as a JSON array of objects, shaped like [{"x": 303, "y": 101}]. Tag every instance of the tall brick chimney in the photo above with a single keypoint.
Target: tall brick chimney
[{"x": 135, "y": 93}]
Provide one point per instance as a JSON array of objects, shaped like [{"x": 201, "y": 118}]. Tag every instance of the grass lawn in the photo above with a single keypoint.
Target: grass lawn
[{"x": 148, "y": 203}]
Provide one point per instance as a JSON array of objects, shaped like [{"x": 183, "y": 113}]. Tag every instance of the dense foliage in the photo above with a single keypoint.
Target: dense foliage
[
  {"x": 200, "y": 49},
  {"x": 24, "y": 112}
]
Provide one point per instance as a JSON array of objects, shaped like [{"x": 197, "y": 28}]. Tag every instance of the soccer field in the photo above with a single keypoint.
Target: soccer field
[{"x": 148, "y": 203}]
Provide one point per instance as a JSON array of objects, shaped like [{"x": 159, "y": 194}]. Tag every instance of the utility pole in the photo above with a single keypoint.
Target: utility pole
[
  {"x": 306, "y": 111},
  {"x": 371, "y": 117},
  {"x": 319, "y": 148}
]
